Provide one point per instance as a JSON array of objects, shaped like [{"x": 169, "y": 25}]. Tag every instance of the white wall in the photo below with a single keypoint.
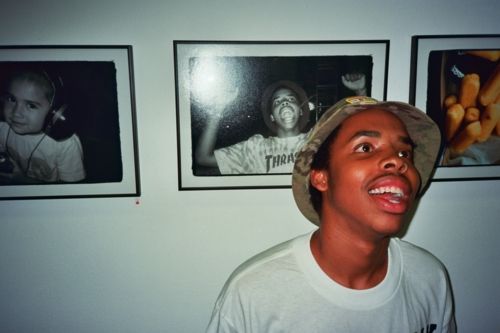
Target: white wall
[{"x": 111, "y": 265}]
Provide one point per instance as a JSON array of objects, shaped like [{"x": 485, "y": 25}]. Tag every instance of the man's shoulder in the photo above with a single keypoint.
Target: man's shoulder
[
  {"x": 270, "y": 257},
  {"x": 266, "y": 266},
  {"x": 256, "y": 138},
  {"x": 419, "y": 260}
]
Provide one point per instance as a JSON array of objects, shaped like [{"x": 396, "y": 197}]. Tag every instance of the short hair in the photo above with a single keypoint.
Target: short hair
[
  {"x": 36, "y": 75},
  {"x": 321, "y": 161}
]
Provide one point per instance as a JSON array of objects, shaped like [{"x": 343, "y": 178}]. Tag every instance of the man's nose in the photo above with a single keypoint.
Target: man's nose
[{"x": 394, "y": 162}]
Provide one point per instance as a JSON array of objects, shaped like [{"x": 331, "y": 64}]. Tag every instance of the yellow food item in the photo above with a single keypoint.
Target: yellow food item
[
  {"x": 465, "y": 138},
  {"x": 450, "y": 100},
  {"x": 471, "y": 114},
  {"x": 469, "y": 89},
  {"x": 491, "y": 89},
  {"x": 454, "y": 116},
  {"x": 492, "y": 55},
  {"x": 489, "y": 120}
]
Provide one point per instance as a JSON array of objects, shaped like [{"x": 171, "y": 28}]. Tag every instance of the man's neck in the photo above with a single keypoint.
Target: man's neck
[
  {"x": 355, "y": 264},
  {"x": 287, "y": 133}
]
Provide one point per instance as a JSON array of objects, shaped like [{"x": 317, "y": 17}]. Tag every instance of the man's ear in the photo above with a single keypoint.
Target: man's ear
[
  {"x": 319, "y": 180},
  {"x": 272, "y": 117}
]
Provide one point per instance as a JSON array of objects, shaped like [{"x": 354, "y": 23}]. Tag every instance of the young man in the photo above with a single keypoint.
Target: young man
[
  {"x": 285, "y": 110},
  {"x": 356, "y": 177}
]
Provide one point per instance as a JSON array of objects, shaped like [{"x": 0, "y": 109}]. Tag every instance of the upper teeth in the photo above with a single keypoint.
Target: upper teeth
[{"x": 387, "y": 189}]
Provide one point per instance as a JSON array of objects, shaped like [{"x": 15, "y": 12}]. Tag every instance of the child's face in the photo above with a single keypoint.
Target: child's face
[
  {"x": 285, "y": 109},
  {"x": 25, "y": 106}
]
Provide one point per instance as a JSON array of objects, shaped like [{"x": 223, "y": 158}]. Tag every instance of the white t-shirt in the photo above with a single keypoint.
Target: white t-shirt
[
  {"x": 44, "y": 158},
  {"x": 284, "y": 290},
  {"x": 260, "y": 155}
]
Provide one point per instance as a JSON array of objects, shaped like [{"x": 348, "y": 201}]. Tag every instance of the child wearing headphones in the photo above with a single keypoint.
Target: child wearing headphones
[{"x": 30, "y": 152}]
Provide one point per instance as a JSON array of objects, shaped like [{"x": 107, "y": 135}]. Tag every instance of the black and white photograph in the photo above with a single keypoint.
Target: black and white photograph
[
  {"x": 245, "y": 108},
  {"x": 456, "y": 80},
  {"x": 67, "y": 124}
]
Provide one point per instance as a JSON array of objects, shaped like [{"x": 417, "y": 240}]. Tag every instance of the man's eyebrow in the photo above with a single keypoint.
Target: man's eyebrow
[
  {"x": 376, "y": 134},
  {"x": 290, "y": 94},
  {"x": 358, "y": 134},
  {"x": 409, "y": 141}
]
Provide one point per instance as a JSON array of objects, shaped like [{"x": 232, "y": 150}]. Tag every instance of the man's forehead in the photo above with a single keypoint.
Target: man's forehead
[
  {"x": 283, "y": 91},
  {"x": 381, "y": 116},
  {"x": 370, "y": 122}
]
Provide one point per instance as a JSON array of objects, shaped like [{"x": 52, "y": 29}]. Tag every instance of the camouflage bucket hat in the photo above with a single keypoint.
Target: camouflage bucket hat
[{"x": 422, "y": 130}]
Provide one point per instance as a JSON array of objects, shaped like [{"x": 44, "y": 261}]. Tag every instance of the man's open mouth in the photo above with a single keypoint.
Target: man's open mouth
[
  {"x": 392, "y": 193},
  {"x": 287, "y": 113}
]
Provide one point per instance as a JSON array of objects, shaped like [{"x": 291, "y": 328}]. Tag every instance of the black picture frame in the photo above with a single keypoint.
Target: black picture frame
[
  {"x": 438, "y": 65},
  {"x": 248, "y": 67},
  {"x": 97, "y": 84}
]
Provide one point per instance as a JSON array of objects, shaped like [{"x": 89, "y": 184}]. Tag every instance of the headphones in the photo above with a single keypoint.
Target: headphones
[{"x": 59, "y": 123}]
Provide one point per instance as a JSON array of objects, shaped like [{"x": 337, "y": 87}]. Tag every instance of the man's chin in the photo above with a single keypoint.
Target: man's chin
[
  {"x": 287, "y": 128},
  {"x": 289, "y": 122}
]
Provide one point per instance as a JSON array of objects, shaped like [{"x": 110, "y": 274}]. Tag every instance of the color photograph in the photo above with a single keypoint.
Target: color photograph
[{"x": 460, "y": 90}]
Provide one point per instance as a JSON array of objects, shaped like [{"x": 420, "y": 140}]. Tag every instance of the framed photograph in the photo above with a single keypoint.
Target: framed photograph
[
  {"x": 67, "y": 126},
  {"x": 244, "y": 108},
  {"x": 455, "y": 79}
]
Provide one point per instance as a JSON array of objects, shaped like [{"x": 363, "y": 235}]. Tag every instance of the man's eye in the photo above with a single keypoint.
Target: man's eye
[
  {"x": 292, "y": 99},
  {"x": 363, "y": 148},
  {"x": 406, "y": 154}
]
